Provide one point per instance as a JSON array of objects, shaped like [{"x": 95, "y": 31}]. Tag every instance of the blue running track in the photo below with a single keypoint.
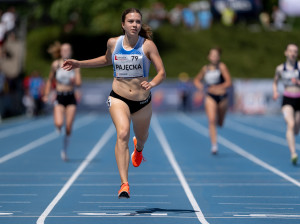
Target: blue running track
[{"x": 251, "y": 180}]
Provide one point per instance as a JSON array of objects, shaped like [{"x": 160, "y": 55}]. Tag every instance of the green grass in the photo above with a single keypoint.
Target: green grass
[{"x": 248, "y": 54}]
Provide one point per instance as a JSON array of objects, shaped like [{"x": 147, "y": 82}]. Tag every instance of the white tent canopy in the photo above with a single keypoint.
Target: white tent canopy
[{"x": 290, "y": 7}]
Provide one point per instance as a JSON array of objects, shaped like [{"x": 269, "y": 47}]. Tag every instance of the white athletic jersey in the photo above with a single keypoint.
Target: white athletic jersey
[
  {"x": 213, "y": 77},
  {"x": 130, "y": 64},
  {"x": 287, "y": 75},
  {"x": 64, "y": 77}
]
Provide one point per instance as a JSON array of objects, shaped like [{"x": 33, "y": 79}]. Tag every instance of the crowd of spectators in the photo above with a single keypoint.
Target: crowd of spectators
[
  {"x": 199, "y": 15},
  {"x": 11, "y": 61},
  {"x": 196, "y": 15}
]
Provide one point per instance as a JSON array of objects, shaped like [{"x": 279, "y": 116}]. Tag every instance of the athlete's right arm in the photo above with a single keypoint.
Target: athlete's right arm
[
  {"x": 275, "y": 83},
  {"x": 101, "y": 61},
  {"x": 198, "y": 79},
  {"x": 49, "y": 81}
]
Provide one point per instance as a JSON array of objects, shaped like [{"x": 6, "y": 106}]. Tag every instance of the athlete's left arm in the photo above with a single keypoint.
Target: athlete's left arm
[
  {"x": 226, "y": 75},
  {"x": 152, "y": 53},
  {"x": 77, "y": 83},
  {"x": 77, "y": 80}
]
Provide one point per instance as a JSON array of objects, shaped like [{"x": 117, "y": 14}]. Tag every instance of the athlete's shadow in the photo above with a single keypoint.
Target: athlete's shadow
[{"x": 153, "y": 210}]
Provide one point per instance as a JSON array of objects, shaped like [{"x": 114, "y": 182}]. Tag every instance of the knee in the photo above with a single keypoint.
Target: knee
[
  {"x": 123, "y": 135},
  {"x": 290, "y": 126},
  {"x": 58, "y": 124}
]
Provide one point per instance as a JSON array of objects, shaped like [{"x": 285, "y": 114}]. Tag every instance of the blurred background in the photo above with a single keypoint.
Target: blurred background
[{"x": 253, "y": 35}]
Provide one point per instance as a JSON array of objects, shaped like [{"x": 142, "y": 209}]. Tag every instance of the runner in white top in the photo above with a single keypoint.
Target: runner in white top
[
  {"x": 66, "y": 96},
  {"x": 217, "y": 79},
  {"x": 130, "y": 97},
  {"x": 289, "y": 73}
]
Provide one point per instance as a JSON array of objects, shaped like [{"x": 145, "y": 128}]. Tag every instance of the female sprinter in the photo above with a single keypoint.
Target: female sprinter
[
  {"x": 65, "y": 103},
  {"x": 289, "y": 73},
  {"x": 217, "y": 78},
  {"x": 130, "y": 98}
]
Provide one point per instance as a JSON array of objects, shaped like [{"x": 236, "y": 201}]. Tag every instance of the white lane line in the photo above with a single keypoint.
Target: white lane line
[
  {"x": 108, "y": 202},
  {"x": 252, "y": 196},
  {"x": 269, "y": 208},
  {"x": 246, "y": 203},
  {"x": 159, "y": 214},
  {"x": 23, "y": 128},
  {"x": 258, "y": 134},
  {"x": 221, "y": 184},
  {"x": 104, "y": 214},
  {"x": 233, "y": 147},
  {"x": 269, "y": 216},
  {"x": 168, "y": 151},
  {"x": 122, "y": 206},
  {"x": 6, "y": 213},
  {"x": 40, "y": 141},
  {"x": 117, "y": 214},
  {"x": 15, "y": 202},
  {"x": 97, "y": 148},
  {"x": 113, "y": 195},
  {"x": 29, "y": 195}
]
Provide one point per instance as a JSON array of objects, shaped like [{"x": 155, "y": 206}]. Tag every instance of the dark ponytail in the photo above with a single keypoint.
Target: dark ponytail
[{"x": 145, "y": 31}]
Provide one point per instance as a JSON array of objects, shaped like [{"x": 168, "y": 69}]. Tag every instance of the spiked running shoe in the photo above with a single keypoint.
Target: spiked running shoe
[
  {"x": 124, "y": 191},
  {"x": 136, "y": 156},
  {"x": 294, "y": 159}
]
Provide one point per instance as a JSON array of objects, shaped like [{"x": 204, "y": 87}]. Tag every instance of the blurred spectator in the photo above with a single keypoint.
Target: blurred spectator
[
  {"x": 2, "y": 36},
  {"x": 188, "y": 16},
  {"x": 157, "y": 15},
  {"x": 28, "y": 102},
  {"x": 278, "y": 18},
  {"x": 185, "y": 88},
  {"x": 204, "y": 15},
  {"x": 228, "y": 15},
  {"x": 9, "y": 19},
  {"x": 175, "y": 15},
  {"x": 13, "y": 55},
  {"x": 264, "y": 18},
  {"x": 36, "y": 89}
]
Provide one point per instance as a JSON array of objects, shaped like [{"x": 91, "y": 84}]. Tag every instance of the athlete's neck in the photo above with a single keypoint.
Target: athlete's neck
[
  {"x": 130, "y": 41},
  {"x": 291, "y": 62}
]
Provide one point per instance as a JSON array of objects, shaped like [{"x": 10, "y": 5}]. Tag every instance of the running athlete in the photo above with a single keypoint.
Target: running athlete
[
  {"x": 130, "y": 98},
  {"x": 289, "y": 72},
  {"x": 66, "y": 96},
  {"x": 217, "y": 79}
]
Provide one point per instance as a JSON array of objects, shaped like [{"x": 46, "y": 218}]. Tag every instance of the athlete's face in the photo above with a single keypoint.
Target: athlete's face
[
  {"x": 291, "y": 52},
  {"x": 65, "y": 51},
  {"x": 132, "y": 24},
  {"x": 214, "y": 56}
]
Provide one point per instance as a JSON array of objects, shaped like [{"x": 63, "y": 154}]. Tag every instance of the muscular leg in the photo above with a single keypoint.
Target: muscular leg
[
  {"x": 297, "y": 122},
  {"x": 58, "y": 116},
  {"x": 211, "y": 110},
  {"x": 141, "y": 122},
  {"x": 120, "y": 115},
  {"x": 222, "y": 109},
  {"x": 70, "y": 115},
  {"x": 288, "y": 113}
]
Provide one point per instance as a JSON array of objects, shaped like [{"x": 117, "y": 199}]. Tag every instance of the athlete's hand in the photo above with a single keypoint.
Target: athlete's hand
[
  {"x": 146, "y": 85},
  {"x": 70, "y": 64},
  {"x": 275, "y": 95},
  {"x": 295, "y": 81}
]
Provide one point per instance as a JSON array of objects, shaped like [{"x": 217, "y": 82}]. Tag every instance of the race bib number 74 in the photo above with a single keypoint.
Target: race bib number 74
[{"x": 128, "y": 66}]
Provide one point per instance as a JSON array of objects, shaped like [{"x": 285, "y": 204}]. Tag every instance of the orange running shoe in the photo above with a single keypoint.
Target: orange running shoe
[
  {"x": 136, "y": 156},
  {"x": 124, "y": 191}
]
